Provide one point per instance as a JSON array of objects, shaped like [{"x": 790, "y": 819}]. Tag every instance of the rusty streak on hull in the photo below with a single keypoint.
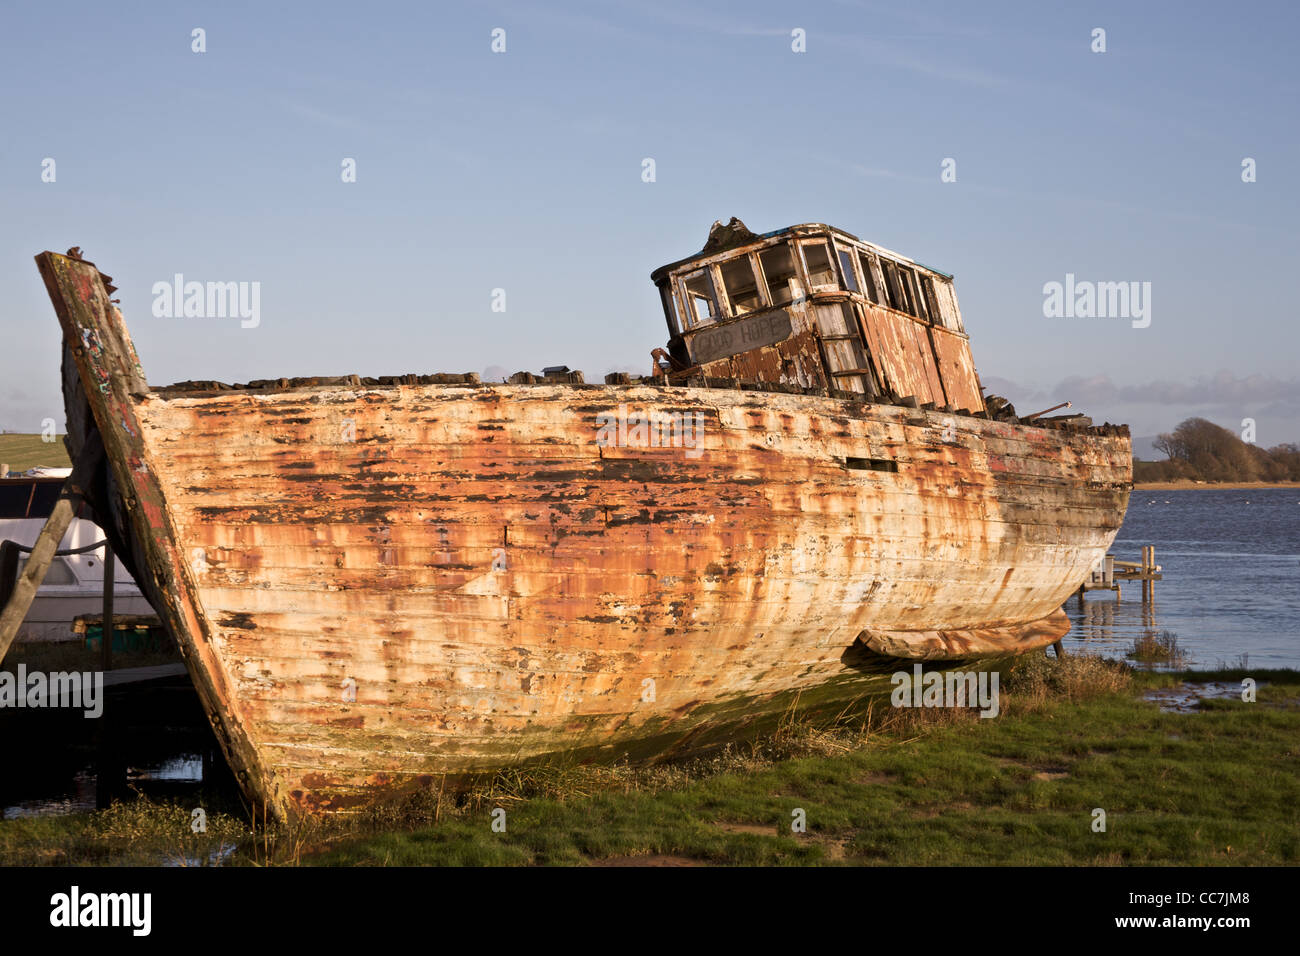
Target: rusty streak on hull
[{"x": 378, "y": 586}]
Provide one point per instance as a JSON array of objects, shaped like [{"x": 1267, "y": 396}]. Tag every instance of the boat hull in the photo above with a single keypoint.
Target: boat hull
[{"x": 380, "y": 587}]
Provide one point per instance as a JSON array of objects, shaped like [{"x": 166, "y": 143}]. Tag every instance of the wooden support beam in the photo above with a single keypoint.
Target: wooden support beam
[
  {"x": 56, "y": 526},
  {"x": 106, "y": 627},
  {"x": 113, "y": 384}
]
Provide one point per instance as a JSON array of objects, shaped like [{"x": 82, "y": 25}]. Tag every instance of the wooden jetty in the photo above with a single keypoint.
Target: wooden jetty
[{"x": 1110, "y": 571}]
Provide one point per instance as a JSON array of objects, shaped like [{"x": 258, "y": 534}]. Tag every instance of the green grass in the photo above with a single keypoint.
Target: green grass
[
  {"x": 896, "y": 787},
  {"x": 21, "y": 452}
]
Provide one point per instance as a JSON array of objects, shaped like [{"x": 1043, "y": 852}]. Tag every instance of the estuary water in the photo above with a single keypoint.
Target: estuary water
[{"x": 1231, "y": 585}]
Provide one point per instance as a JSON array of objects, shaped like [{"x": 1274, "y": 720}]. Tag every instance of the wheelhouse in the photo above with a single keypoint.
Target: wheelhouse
[{"x": 815, "y": 307}]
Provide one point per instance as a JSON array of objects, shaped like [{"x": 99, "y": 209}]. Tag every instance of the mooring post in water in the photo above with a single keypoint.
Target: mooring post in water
[
  {"x": 106, "y": 630},
  {"x": 1148, "y": 573},
  {"x": 56, "y": 526}
]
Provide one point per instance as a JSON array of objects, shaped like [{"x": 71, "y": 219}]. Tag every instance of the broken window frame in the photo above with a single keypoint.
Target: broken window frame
[
  {"x": 688, "y": 296},
  {"x": 760, "y": 286},
  {"x": 872, "y": 286},
  {"x": 834, "y": 284},
  {"x": 896, "y": 297},
  {"x": 948, "y": 305},
  {"x": 931, "y": 297},
  {"x": 911, "y": 281},
  {"x": 848, "y": 271},
  {"x": 796, "y": 275}
]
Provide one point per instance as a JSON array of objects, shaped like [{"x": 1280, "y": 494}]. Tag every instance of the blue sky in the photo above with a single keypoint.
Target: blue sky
[{"x": 522, "y": 171}]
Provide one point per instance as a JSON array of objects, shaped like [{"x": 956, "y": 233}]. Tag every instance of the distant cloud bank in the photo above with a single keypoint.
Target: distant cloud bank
[{"x": 1221, "y": 388}]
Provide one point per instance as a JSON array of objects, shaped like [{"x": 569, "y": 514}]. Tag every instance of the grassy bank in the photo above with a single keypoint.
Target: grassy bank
[
  {"x": 21, "y": 452},
  {"x": 896, "y": 786}
]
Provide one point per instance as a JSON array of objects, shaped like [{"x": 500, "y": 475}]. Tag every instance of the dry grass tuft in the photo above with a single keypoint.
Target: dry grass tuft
[
  {"x": 1037, "y": 680},
  {"x": 1159, "y": 648}
]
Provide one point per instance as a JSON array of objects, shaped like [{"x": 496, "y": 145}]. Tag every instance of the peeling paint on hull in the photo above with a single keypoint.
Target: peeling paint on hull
[{"x": 378, "y": 586}]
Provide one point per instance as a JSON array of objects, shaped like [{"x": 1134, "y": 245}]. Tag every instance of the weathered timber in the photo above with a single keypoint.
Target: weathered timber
[{"x": 111, "y": 382}]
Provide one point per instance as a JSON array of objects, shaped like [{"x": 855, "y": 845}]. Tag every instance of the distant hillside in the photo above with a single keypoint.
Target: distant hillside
[
  {"x": 1200, "y": 450},
  {"x": 21, "y": 452}
]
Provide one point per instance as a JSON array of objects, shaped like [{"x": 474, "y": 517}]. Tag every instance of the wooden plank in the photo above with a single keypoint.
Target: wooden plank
[{"x": 113, "y": 384}]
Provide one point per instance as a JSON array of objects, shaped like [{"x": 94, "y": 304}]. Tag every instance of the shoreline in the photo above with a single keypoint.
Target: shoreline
[
  {"x": 1075, "y": 733},
  {"x": 1183, "y": 484}
]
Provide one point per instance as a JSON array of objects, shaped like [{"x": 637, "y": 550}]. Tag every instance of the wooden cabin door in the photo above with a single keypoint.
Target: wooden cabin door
[{"x": 845, "y": 356}]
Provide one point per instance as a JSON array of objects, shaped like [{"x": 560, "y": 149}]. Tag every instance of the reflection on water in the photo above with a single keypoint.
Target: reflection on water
[
  {"x": 1231, "y": 583},
  {"x": 1186, "y": 698},
  {"x": 80, "y": 796},
  {"x": 84, "y": 794},
  {"x": 181, "y": 767},
  {"x": 217, "y": 857},
  {"x": 153, "y": 739}
]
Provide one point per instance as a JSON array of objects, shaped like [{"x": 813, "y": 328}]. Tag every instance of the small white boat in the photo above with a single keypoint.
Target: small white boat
[{"x": 74, "y": 584}]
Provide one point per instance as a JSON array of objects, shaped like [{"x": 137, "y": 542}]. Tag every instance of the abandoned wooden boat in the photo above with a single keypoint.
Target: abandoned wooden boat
[{"x": 386, "y": 583}]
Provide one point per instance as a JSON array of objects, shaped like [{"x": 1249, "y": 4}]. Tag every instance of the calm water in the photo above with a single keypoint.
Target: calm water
[{"x": 1231, "y": 583}]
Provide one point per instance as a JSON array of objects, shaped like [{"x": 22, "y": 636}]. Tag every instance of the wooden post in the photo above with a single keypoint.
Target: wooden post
[
  {"x": 56, "y": 525},
  {"x": 106, "y": 647},
  {"x": 1149, "y": 557},
  {"x": 8, "y": 569}
]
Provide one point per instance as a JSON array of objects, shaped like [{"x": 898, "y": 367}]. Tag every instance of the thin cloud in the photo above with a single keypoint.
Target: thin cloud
[
  {"x": 1222, "y": 388},
  {"x": 320, "y": 116}
]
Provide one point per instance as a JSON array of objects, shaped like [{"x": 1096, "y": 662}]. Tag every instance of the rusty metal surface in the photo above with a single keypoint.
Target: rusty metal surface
[{"x": 379, "y": 585}]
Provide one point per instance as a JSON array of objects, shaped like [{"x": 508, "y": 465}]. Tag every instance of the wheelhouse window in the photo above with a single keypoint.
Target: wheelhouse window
[
  {"x": 931, "y": 300},
  {"x": 915, "y": 304},
  {"x": 817, "y": 257},
  {"x": 945, "y": 309},
  {"x": 846, "y": 266},
  {"x": 869, "y": 278},
  {"x": 741, "y": 285},
  {"x": 783, "y": 285},
  {"x": 897, "y": 298},
  {"x": 701, "y": 299}
]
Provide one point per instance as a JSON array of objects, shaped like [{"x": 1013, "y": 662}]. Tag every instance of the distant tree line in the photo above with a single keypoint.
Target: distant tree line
[{"x": 1203, "y": 451}]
